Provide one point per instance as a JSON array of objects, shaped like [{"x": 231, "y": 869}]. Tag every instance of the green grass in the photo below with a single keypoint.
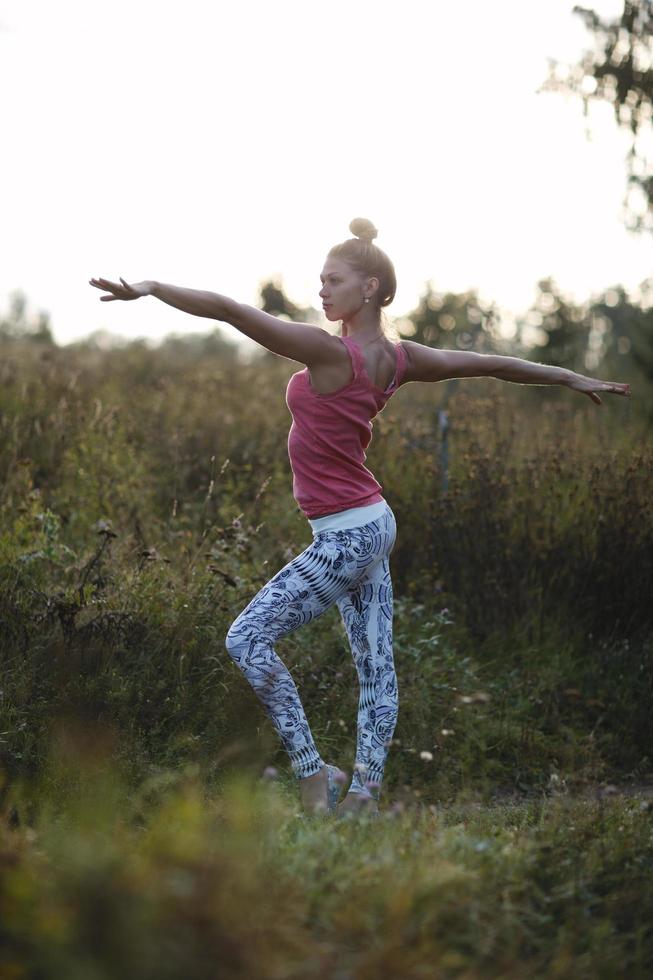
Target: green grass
[
  {"x": 144, "y": 499},
  {"x": 173, "y": 878}
]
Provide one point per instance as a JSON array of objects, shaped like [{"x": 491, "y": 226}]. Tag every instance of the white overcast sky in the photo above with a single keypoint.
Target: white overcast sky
[{"x": 213, "y": 145}]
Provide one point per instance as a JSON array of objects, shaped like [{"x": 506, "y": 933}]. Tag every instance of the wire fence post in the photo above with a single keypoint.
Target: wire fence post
[{"x": 443, "y": 427}]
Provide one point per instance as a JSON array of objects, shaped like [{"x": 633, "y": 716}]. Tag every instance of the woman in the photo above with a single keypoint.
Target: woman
[{"x": 347, "y": 380}]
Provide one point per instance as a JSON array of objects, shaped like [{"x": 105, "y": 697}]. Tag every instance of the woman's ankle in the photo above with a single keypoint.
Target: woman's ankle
[{"x": 314, "y": 775}]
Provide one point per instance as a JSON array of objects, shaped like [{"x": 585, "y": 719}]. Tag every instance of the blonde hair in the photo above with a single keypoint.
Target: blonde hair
[{"x": 368, "y": 259}]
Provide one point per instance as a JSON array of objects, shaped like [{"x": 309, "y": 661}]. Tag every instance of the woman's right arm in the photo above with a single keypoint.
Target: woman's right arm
[{"x": 303, "y": 342}]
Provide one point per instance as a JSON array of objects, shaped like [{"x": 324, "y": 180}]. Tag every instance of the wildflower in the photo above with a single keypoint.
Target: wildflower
[
  {"x": 478, "y": 697},
  {"x": 104, "y": 527},
  {"x": 608, "y": 790},
  {"x": 447, "y": 731},
  {"x": 427, "y": 756},
  {"x": 482, "y": 697}
]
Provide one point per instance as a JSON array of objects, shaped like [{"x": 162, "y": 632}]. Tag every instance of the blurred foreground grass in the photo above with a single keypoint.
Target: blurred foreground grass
[{"x": 174, "y": 879}]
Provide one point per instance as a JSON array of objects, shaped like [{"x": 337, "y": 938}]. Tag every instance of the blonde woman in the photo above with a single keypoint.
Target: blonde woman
[{"x": 347, "y": 380}]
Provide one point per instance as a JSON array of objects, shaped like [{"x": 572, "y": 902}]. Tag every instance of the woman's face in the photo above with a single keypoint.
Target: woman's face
[{"x": 342, "y": 291}]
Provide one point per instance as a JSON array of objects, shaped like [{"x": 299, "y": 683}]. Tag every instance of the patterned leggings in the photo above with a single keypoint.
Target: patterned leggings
[{"x": 349, "y": 568}]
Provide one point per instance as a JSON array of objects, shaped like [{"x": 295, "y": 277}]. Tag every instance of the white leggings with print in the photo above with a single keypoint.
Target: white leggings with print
[{"x": 348, "y": 566}]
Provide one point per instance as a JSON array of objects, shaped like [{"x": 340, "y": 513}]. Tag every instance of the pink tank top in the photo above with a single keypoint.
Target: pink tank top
[{"x": 329, "y": 435}]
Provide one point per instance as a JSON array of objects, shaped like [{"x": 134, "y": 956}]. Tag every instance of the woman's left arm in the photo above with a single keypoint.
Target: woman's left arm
[
  {"x": 526, "y": 372},
  {"x": 429, "y": 364}
]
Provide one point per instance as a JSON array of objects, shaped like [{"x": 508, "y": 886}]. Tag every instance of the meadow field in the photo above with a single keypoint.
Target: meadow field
[{"x": 151, "y": 826}]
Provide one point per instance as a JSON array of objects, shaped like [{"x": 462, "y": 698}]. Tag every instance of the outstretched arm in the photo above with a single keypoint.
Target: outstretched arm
[
  {"x": 302, "y": 342},
  {"x": 428, "y": 364}
]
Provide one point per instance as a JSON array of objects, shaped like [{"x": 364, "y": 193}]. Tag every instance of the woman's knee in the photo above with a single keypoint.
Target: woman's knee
[
  {"x": 234, "y": 639},
  {"x": 244, "y": 633}
]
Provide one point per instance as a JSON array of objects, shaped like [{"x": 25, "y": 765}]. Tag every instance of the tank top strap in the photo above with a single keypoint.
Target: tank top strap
[
  {"x": 401, "y": 364},
  {"x": 355, "y": 354},
  {"x": 400, "y": 369}
]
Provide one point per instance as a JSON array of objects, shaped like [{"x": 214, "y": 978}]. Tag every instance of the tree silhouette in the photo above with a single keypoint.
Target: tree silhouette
[
  {"x": 625, "y": 331},
  {"x": 450, "y": 321},
  {"x": 275, "y": 301},
  {"x": 19, "y": 325},
  {"x": 563, "y": 328},
  {"x": 619, "y": 70}
]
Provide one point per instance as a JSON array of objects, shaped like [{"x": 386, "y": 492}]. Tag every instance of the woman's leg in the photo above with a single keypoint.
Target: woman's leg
[
  {"x": 304, "y": 589},
  {"x": 366, "y": 611}
]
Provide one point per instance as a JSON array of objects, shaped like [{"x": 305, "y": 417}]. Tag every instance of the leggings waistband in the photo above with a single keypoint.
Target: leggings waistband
[{"x": 345, "y": 519}]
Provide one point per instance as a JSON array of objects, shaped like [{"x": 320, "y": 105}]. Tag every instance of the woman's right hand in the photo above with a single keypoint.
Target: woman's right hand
[{"x": 124, "y": 291}]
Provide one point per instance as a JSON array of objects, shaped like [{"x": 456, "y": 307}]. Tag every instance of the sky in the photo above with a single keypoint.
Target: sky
[{"x": 215, "y": 145}]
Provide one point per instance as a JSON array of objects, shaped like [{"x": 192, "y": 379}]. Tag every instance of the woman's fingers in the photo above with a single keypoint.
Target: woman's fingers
[
  {"x": 591, "y": 387},
  {"x": 119, "y": 290},
  {"x": 607, "y": 387},
  {"x": 616, "y": 388},
  {"x": 122, "y": 289}
]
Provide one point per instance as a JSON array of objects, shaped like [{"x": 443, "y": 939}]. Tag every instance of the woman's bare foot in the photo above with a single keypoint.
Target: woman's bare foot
[
  {"x": 313, "y": 792},
  {"x": 358, "y": 803}
]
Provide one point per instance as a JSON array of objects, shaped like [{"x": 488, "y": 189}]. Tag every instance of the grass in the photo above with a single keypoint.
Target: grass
[
  {"x": 174, "y": 878},
  {"x": 144, "y": 499}
]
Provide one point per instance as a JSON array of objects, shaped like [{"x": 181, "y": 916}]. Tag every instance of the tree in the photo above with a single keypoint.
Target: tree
[
  {"x": 18, "y": 325},
  {"x": 275, "y": 301},
  {"x": 619, "y": 70},
  {"x": 622, "y": 336},
  {"x": 561, "y": 329},
  {"x": 455, "y": 321}
]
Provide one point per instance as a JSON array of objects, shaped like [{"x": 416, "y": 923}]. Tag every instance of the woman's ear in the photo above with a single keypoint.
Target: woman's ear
[{"x": 373, "y": 285}]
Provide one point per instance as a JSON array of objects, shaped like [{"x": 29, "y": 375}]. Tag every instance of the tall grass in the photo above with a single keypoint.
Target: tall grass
[{"x": 146, "y": 497}]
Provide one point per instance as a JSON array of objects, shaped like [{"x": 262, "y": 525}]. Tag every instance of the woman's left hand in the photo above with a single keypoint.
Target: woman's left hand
[{"x": 591, "y": 387}]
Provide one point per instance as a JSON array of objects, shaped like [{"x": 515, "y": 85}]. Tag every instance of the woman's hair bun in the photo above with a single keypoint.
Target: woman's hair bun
[{"x": 362, "y": 228}]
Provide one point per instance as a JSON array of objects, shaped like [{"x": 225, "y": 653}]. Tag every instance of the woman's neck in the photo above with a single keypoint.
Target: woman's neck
[{"x": 361, "y": 326}]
